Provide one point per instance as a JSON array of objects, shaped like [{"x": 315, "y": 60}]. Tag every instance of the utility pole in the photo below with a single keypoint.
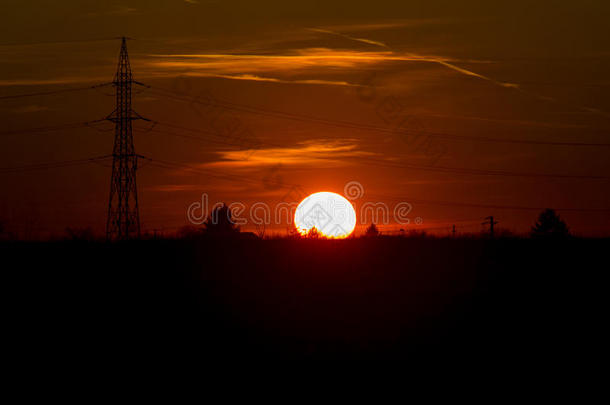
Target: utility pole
[
  {"x": 123, "y": 220},
  {"x": 490, "y": 221},
  {"x": 453, "y": 232}
]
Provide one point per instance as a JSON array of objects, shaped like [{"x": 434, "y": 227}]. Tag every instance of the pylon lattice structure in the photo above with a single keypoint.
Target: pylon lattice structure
[{"x": 123, "y": 220}]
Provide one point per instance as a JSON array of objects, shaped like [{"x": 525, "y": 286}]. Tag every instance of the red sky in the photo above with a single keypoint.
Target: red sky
[{"x": 462, "y": 110}]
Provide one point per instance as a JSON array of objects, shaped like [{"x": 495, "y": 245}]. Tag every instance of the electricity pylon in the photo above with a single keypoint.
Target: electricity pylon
[{"x": 123, "y": 220}]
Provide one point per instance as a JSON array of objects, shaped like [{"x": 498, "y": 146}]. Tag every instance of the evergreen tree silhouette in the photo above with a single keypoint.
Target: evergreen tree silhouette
[
  {"x": 550, "y": 225},
  {"x": 372, "y": 231}
]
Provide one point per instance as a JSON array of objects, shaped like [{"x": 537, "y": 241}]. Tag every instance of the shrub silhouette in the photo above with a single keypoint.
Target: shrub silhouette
[{"x": 550, "y": 225}]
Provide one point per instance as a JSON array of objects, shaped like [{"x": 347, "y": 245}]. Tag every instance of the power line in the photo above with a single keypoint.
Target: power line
[
  {"x": 53, "y": 165},
  {"x": 50, "y": 128},
  {"x": 51, "y": 92},
  {"x": 164, "y": 164},
  {"x": 481, "y": 172},
  {"x": 442, "y": 169},
  {"x": 370, "y": 160},
  {"x": 191, "y": 137},
  {"x": 410, "y": 199},
  {"x": 66, "y": 41},
  {"x": 291, "y": 116},
  {"x": 352, "y": 125}
]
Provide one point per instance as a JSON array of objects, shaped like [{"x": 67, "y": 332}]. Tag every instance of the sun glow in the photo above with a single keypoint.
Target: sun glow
[{"x": 332, "y": 215}]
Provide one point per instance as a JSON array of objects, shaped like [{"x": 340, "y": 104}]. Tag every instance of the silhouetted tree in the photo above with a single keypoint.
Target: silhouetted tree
[
  {"x": 550, "y": 225},
  {"x": 371, "y": 231},
  {"x": 221, "y": 222}
]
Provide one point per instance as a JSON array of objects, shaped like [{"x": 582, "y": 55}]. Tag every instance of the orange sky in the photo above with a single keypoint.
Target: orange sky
[{"x": 461, "y": 110}]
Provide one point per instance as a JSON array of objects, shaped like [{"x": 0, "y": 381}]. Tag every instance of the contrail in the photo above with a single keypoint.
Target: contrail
[
  {"x": 363, "y": 40},
  {"x": 417, "y": 57},
  {"x": 467, "y": 72}
]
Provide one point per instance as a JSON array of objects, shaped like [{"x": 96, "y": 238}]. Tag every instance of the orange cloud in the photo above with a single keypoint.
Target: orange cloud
[
  {"x": 257, "y": 78},
  {"x": 313, "y": 152},
  {"x": 300, "y": 59}
]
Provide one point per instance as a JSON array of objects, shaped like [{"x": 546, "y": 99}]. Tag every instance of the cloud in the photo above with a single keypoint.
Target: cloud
[
  {"x": 256, "y": 78},
  {"x": 306, "y": 153},
  {"x": 267, "y": 67},
  {"x": 251, "y": 66},
  {"x": 294, "y": 60},
  {"x": 442, "y": 61}
]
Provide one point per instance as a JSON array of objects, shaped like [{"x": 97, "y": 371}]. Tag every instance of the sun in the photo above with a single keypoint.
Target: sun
[{"x": 331, "y": 214}]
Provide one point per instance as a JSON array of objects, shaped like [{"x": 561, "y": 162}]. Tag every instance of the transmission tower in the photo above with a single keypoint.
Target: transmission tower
[{"x": 123, "y": 220}]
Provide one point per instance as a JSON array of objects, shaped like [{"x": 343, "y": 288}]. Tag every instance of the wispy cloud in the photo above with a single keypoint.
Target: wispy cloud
[
  {"x": 451, "y": 65},
  {"x": 314, "y": 152},
  {"x": 257, "y": 78},
  {"x": 442, "y": 61},
  {"x": 294, "y": 60},
  {"x": 474, "y": 74},
  {"x": 253, "y": 66}
]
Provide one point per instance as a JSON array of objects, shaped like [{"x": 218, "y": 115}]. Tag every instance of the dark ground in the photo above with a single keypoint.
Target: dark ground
[{"x": 503, "y": 303}]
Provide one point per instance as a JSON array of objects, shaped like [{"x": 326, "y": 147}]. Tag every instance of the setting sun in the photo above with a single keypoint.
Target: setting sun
[{"x": 332, "y": 215}]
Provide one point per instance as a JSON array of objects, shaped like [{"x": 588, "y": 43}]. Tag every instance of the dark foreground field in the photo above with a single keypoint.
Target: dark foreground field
[{"x": 504, "y": 302}]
